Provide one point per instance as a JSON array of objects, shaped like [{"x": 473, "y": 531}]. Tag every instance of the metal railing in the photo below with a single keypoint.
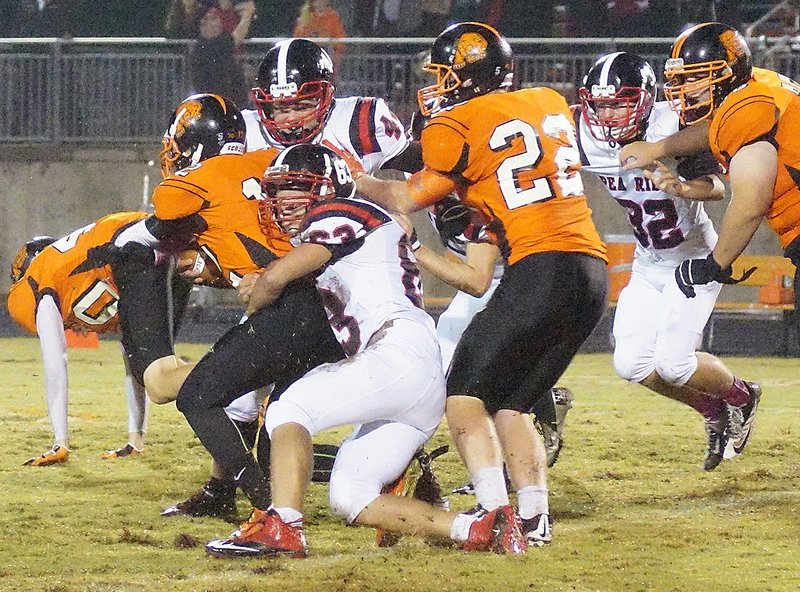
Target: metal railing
[{"x": 122, "y": 90}]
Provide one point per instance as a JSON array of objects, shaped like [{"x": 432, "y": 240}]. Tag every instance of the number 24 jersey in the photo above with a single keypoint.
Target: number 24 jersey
[{"x": 514, "y": 157}]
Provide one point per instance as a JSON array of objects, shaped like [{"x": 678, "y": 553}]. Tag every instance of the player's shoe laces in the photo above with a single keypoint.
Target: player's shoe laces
[
  {"x": 554, "y": 437},
  {"x": 264, "y": 534},
  {"x": 216, "y": 498},
  {"x": 740, "y": 434},
  {"x": 717, "y": 434},
  {"x": 497, "y": 531},
  {"x": 418, "y": 481},
  {"x": 57, "y": 454},
  {"x": 538, "y": 531},
  {"x": 127, "y": 450}
]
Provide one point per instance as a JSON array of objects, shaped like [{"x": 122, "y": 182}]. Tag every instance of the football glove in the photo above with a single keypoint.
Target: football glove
[
  {"x": 693, "y": 272},
  {"x": 57, "y": 454}
]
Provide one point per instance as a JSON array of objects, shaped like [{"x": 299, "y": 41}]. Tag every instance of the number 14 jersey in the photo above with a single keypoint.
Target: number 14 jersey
[{"x": 515, "y": 158}]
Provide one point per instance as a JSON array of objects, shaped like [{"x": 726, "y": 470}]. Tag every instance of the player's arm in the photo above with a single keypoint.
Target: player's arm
[
  {"x": 473, "y": 276},
  {"x": 753, "y": 170},
  {"x": 270, "y": 284},
  {"x": 703, "y": 188},
  {"x": 424, "y": 188},
  {"x": 689, "y": 140},
  {"x": 50, "y": 327}
]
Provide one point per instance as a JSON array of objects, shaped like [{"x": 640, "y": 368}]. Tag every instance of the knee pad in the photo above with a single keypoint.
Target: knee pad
[
  {"x": 282, "y": 411},
  {"x": 162, "y": 381},
  {"x": 245, "y": 408},
  {"x": 631, "y": 367},
  {"x": 348, "y": 496},
  {"x": 676, "y": 370}
]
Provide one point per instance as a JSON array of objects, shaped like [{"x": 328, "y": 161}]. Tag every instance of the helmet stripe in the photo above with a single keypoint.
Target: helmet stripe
[
  {"x": 678, "y": 45},
  {"x": 609, "y": 60},
  {"x": 283, "y": 52}
]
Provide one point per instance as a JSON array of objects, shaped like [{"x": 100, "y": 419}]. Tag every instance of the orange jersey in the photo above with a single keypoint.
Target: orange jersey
[
  {"x": 766, "y": 108},
  {"x": 85, "y": 294},
  {"x": 224, "y": 191},
  {"x": 514, "y": 157}
]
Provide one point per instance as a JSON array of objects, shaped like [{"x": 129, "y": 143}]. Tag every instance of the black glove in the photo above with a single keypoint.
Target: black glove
[
  {"x": 693, "y": 272},
  {"x": 418, "y": 121},
  {"x": 451, "y": 218},
  {"x": 134, "y": 254}
]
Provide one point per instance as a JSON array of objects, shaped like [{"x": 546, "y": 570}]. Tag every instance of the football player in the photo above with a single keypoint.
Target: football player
[
  {"x": 748, "y": 117},
  {"x": 512, "y": 155},
  {"x": 391, "y": 385},
  {"x": 473, "y": 265},
  {"x": 209, "y": 198},
  {"x": 295, "y": 103},
  {"x": 656, "y": 329},
  {"x": 58, "y": 285}
]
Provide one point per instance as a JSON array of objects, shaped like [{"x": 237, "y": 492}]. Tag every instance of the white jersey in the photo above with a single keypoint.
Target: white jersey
[
  {"x": 668, "y": 229},
  {"x": 364, "y": 126},
  {"x": 373, "y": 276}
]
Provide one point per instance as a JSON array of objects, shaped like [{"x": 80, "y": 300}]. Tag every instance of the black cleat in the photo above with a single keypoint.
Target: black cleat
[{"x": 216, "y": 498}]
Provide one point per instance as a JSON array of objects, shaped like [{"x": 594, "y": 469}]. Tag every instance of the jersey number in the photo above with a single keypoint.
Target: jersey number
[
  {"x": 97, "y": 305},
  {"x": 65, "y": 243},
  {"x": 509, "y": 174},
  {"x": 662, "y": 230}
]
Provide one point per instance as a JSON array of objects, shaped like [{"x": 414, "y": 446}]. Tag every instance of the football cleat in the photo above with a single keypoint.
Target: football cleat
[
  {"x": 717, "y": 433},
  {"x": 127, "y": 450},
  {"x": 497, "y": 531},
  {"x": 216, "y": 498},
  {"x": 738, "y": 438},
  {"x": 554, "y": 437},
  {"x": 538, "y": 531},
  {"x": 264, "y": 534},
  {"x": 418, "y": 481},
  {"x": 57, "y": 454},
  {"x": 466, "y": 489}
]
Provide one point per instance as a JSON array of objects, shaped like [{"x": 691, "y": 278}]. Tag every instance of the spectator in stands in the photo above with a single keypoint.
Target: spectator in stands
[
  {"x": 38, "y": 18},
  {"x": 212, "y": 64},
  {"x": 183, "y": 19},
  {"x": 319, "y": 19},
  {"x": 588, "y": 18},
  {"x": 435, "y": 17}
]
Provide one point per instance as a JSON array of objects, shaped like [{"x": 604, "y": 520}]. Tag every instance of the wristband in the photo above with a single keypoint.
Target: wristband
[{"x": 414, "y": 242}]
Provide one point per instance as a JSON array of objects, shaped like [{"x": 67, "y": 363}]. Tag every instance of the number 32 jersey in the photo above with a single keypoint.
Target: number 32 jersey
[
  {"x": 514, "y": 157},
  {"x": 85, "y": 294},
  {"x": 668, "y": 229}
]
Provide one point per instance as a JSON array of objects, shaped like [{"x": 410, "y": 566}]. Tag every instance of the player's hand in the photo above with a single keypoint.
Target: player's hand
[
  {"x": 245, "y": 287},
  {"x": 353, "y": 163},
  {"x": 666, "y": 179},
  {"x": 694, "y": 272},
  {"x": 405, "y": 222},
  {"x": 637, "y": 155},
  {"x": 57, "y": 454}
]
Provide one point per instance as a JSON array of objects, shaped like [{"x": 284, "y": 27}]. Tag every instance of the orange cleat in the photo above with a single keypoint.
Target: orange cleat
[
  {"x": 496, "y": 531},
  {"x": 263, "y": 535},
  {"x": 57, "y": 454},
  {"x": 127, "y": 450}
]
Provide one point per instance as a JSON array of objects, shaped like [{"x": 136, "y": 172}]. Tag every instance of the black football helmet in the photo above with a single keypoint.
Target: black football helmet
[
  {"x": 312, "y": 173},
  {"x": 706, "y": 63},
  {"x": 294, "y": 70},
  {"x": 469, "y": 60},
  {"x": 202, "y": 126},
  {"x": 617, "y": 96},
  {"x": 26, "y": 254}
]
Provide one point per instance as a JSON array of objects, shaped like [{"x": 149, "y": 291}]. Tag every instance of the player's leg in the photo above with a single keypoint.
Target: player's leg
[
  {"x": 277, "y": 344},
  {"x": 456, "y": 317},
  {"x": 730, "y": 403},
  {"x": 499, "y": 349}
]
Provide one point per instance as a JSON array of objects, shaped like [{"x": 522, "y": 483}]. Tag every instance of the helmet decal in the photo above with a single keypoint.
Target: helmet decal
[{"x": 470, "y": 48}]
